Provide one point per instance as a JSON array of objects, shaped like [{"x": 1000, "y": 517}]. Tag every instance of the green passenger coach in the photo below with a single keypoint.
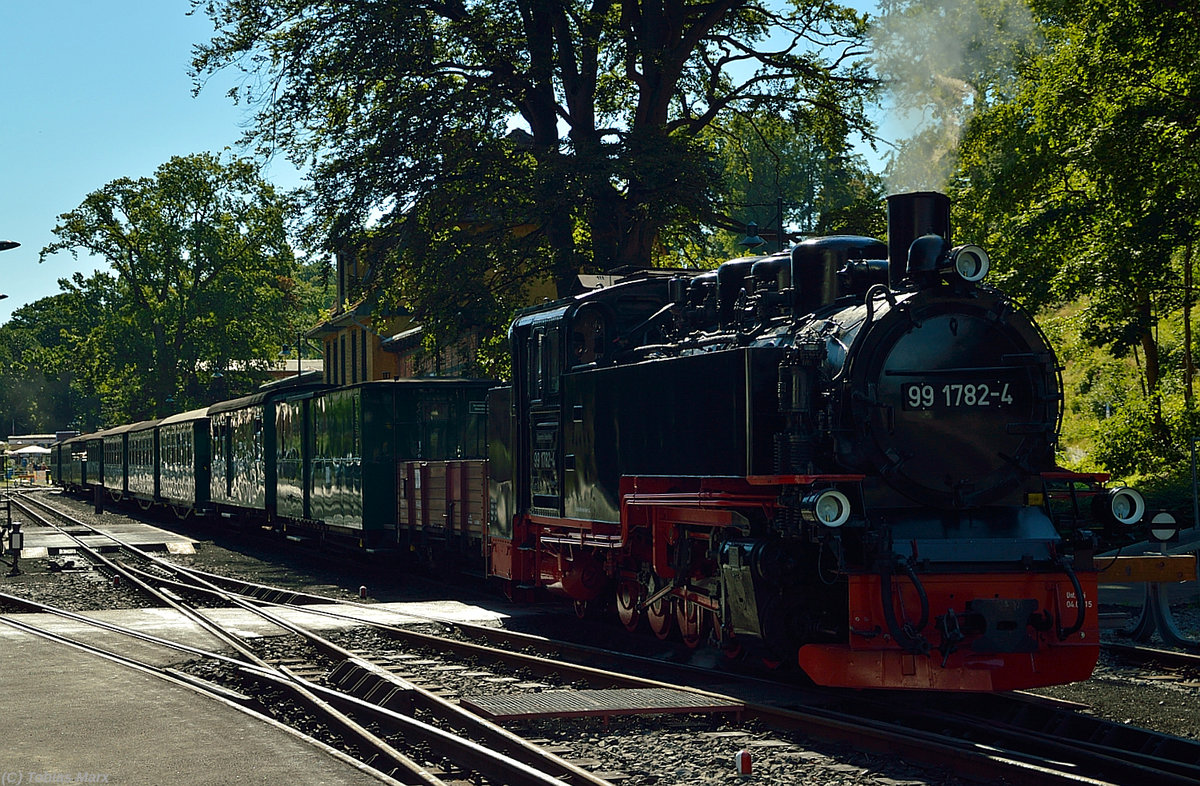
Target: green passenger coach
[
  {"x": 239, "y": 457},
  {"x": 358, "y": 438},
  {"x": 141, "y": 459},
  {"x": 184, "y": 461}
]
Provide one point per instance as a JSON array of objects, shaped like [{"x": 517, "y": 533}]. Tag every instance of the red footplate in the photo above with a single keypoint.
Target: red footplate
[{"x": 873, "y": 659}]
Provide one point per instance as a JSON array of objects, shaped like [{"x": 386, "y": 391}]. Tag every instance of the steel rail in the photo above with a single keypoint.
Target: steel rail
[
  {"x": 502, "y": 740},
  {"x": 979, "y": 758},
  {"x": 880, "y": 736},
  {"x": 1141, "y": 654},
  {"x": 843, "y": 726},
  {"x": 480, "y": 759},
  {"x": 362, "y": 737},
  {"x": 515, "y": 760}
]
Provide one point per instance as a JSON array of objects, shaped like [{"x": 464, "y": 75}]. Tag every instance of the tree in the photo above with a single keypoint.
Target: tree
[
  {"x": 43, "y": 383},
  {"x": 802, "y": 162},
  {"x": 201, "y": 281},
  {"x": 1094, "y": 161},
  {"x": 522, "y": 139},
  {"x": 1085, "y": 184}
]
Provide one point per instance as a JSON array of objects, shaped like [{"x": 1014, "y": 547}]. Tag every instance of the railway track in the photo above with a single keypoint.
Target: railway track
[
  {"x": 1143, "y": 655},
  {"x": 502, "y": 758},
  {"x": 1017, "y": 737}
]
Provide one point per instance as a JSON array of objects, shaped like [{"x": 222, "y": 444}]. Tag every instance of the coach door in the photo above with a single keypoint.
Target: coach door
[{"x": 543, "y": 374}]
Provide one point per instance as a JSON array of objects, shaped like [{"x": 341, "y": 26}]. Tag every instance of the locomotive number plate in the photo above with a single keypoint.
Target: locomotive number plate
[{"x": 956, "y": 395}]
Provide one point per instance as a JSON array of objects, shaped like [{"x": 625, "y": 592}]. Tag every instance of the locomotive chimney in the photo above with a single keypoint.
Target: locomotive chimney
[{"x": 909, "y": 217}]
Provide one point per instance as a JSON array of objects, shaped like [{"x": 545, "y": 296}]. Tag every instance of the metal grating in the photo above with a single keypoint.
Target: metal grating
[{"x": 597, "y": 703}]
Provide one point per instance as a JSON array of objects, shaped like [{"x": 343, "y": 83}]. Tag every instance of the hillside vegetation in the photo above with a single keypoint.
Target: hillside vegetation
[{"x": 1111, "y": 424}]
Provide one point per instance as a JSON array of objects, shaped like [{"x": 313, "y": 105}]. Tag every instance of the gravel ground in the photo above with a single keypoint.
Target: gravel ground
[
  {"x": 635, "y": 751},
  {"x": 1166, "y": 701},
  {"x": 662, "y": 752}
]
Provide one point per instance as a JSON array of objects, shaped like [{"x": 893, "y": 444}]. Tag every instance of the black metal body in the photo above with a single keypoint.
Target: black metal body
[{"x": 676, "y": 431}]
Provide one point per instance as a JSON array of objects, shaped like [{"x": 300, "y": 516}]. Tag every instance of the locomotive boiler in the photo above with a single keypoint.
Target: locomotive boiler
[{"x": 841, "y": 457}]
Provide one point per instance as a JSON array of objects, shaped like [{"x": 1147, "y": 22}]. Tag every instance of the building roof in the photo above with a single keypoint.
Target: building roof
[
  {"x": 31, "y": 439},
  {"x": 403, "y": 341}
]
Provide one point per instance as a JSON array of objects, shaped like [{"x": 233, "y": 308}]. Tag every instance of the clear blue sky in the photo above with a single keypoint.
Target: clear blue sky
[{"x": 90, "y": 91}]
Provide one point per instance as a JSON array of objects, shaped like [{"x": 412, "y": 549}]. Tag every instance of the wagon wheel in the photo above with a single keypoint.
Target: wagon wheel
[
  {"x": 692, "y": 619},
  {"x": 628, "y": 597},
  {"x": 114, "y": 495},
  {"x": 182, "y": 512},
  {"x": 660, "y": 613},
  {"x": 144, "y": 504}
]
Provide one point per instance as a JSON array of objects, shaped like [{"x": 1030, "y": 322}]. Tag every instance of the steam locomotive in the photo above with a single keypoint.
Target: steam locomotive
[
  {"x": 839, "y": 457},
  {"x": 843, "y": 454}
]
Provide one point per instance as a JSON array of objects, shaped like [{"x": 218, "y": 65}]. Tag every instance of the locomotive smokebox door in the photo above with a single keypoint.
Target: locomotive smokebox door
[{"x": 952, "y": 401}]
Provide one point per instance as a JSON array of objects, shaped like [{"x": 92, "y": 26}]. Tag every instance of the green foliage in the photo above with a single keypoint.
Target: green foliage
[
  {"x": 1129, "y": 443},
  {"x": 42, "y": 385},
  {"x": 1081, "y": 179},
  {"x": 1087, "y": 177},
  {"x": 804, "y": 162},
  {"x": 203, "y": 281},
  {"x": 520, "y": 139},
  {"x": 1082, "y": 185}
]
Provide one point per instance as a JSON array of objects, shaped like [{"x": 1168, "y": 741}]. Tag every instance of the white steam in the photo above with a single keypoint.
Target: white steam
[{"x": 942, "y": 60}]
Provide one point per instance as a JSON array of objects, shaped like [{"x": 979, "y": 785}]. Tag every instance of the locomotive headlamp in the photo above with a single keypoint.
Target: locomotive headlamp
[
  {"x": 1121, "y": 505},
  {"x": 971, "y": 263},
  {"x": 829, "y": 507}
]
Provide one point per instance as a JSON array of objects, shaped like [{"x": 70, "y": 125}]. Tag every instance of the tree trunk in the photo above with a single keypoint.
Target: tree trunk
[
  {"x": 1189, "y": 369},
  {"x": 1150, "y": 352},
  {"x": 1148, "y": 344}
]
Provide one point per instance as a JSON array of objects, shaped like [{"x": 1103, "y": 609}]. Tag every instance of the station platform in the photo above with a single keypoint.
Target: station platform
[
  {"x": 43, "y": 542},
  {"x": 71, "y": 716}
]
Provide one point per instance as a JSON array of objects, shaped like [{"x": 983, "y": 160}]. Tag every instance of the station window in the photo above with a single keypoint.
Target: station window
[{"x": 341, "y": 368}]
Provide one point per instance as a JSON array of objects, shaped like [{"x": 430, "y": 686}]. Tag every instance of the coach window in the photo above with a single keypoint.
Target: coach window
[{"x": 363, "y": 355}]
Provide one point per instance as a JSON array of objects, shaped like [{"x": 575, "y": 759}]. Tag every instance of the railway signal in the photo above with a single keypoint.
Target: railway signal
[
  {"x": 1164, "y": 528},
  {"x": 16, "y": 542}
]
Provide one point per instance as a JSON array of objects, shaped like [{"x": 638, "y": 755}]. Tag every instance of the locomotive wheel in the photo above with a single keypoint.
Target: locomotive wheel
[
  {"x": 660, "y": 613},
  {"x": 692, "y": 621},
  {"x": 627, "y": 604}
]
